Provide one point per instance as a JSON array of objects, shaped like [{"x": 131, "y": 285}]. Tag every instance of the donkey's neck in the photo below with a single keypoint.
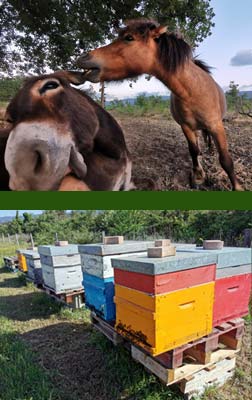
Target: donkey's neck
[{"x": 180, "y": 82}]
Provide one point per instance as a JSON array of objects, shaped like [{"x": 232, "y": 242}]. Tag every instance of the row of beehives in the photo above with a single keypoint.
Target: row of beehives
[{"x": 157, "y": 298}]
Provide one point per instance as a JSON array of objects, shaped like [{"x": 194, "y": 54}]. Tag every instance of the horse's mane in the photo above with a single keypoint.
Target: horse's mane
[{"x": 174, "y": 52}]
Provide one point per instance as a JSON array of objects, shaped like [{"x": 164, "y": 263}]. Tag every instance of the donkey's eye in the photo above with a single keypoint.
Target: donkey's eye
[
  {"x": 128, "y": 38},
  {"x": 50, "y": 85}
]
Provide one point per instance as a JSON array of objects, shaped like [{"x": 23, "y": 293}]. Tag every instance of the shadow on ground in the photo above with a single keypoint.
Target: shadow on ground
[
  {"x": 27, "y": 306},
  {"x": 86, "y": 366}
]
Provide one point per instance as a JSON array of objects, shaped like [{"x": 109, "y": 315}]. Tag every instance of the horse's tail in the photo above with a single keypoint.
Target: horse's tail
[{"x": 207, "y": 139}]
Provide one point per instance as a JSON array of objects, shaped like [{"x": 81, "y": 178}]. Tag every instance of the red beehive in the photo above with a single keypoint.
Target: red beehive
[
  {"x": 165, "y": 283},
  {"x": 231, "y": 298}
]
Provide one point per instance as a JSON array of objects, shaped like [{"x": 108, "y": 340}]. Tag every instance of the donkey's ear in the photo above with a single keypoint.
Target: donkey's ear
[
  {"x": 157, "y": 32},
  {"x": 75, "y": 77}
]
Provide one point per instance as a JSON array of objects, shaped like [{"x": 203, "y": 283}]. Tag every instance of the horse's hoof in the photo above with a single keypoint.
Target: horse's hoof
[
  {"x": 197, "y": 178},
  {"x": 238, "y": 188}
]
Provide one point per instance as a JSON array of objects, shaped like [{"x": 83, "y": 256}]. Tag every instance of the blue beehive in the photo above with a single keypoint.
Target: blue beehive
[
  {"x": 99, "y": 295},
  {"x": 98, "y": 274}
]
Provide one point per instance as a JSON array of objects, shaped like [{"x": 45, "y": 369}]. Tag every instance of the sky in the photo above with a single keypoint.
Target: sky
[
  {"x": 12, "y": 213},
  {"x": 228, "y": 50}
]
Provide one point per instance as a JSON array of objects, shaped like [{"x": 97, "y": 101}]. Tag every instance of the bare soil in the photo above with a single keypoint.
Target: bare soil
[
  {"x": 161, "y": 159},
  {"x": 159, "y": 152}
]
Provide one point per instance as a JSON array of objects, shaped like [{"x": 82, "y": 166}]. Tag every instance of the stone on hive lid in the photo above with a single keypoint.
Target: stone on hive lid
[
  {"x": 213, "y": 244},
  {"x": 161, "y": 251},
  {"x": 61, "y": 243},
  {"x": 113, "y": 239},
  {"x": 162, "y": 242}
]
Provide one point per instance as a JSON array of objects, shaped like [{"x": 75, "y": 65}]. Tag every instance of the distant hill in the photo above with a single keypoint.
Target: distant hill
[
  {"x": 132, "y": 100},
  {"x": 6, "y": 219},
  {"x": 248, "y": 93}
]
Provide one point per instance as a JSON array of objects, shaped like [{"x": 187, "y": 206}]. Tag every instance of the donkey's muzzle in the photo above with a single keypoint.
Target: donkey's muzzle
[{"x": 38, "y": 155}]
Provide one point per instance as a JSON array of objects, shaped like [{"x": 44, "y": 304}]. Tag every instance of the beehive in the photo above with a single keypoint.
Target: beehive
[
  {"x": 168, "y": 301},
  {"x": 232, "y": 293},
  {"x": 34, "y": 270},
  {"x": 98, "y": 274},
  {"x": 61, "y": 267},
  {"x": 22, "y": 260}
]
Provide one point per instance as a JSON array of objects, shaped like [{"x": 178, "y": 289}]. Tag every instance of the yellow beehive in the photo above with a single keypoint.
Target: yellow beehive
[
  {"x": 22, "y": 262},
  {"x": 162, "y": 322}
]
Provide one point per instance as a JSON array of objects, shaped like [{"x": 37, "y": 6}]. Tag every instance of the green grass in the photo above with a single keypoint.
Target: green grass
[
  {"x": 20, "y": 376},
  {"x": 126, "y": 379}
]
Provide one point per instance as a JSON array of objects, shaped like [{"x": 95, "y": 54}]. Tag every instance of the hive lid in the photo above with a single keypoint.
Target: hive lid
[
  {"x": 233, "y": 271},
  {"x": 226, "y": 257},
  {"x": 157, "y": 266},
  {"x": 58, "y": 250},
  {"x": 129, "y": 246},
  {"x": 31, "y": 253}
]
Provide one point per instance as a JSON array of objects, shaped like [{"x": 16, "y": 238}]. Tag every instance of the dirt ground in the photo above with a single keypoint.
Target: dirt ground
[
  {"x": 159, "y": 152},
  {"x": 161, "y": 159}
]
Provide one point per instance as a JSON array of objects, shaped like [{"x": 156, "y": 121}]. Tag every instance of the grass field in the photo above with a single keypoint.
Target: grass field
[{"x": 48, "y": 352}]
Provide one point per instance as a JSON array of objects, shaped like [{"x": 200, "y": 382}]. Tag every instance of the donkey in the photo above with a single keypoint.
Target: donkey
[
  {"x": 197, "y": 102},
  {"x": 60, "y": 139},
  {"x": 4, "y": 176}
]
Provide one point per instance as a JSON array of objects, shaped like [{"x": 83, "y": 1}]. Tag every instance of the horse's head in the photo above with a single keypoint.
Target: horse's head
[
  {"x": 52, "y": 126},
  {"x": 133, "y": 53}
]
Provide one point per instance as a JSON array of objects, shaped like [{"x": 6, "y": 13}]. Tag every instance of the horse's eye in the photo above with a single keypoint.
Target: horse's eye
[
  {"x": 128, "y": 38},
  {"x": 50, "y": 85}
]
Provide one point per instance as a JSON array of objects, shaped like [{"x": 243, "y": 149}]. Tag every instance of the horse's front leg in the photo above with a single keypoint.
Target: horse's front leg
[
  {"x": 198, "y": 175},
  {"x": 219, "y": 135}
]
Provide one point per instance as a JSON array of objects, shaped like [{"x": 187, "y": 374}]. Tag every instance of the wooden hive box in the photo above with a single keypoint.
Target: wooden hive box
[
  {"x": 22, "y": 265},
  {"x": 34, "y": 270},
  {"x": 98, "y": 274},
  {"x": 61, "y": 267},
  {"x": 232, "y": 293},
  {"x": 162, "y": 322},
  {"x": 173, "y": 303},
  {"x": 96, "y": 258}
]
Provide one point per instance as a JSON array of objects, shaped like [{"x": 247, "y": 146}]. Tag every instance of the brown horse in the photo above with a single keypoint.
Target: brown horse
[
  {"x": 58, "y": 131},
  {"x": 197, "y": 102}
]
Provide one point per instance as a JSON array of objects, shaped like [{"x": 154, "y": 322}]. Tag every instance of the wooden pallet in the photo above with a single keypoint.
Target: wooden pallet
[
  {"x": 168, "y": 376},
  {"x": 73, "y": 299},
  {"x": 11, "y": 263},
  {"x": 229, "y": 334}
]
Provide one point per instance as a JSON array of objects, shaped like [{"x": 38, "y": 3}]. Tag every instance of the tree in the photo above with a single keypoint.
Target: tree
[
  {"x": 52, "y": 33},
  {"x": 232, "y": 95}
]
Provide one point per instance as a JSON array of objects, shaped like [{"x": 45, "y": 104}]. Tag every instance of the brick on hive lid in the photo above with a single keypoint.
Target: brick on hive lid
[
  {"x": 61, "y": 243},
  {"x": 162, "y": 242},
  {"x": 113, "y": 239},
  {"x": 213, "y": 244},
  {"x": 161, "y": 251}
]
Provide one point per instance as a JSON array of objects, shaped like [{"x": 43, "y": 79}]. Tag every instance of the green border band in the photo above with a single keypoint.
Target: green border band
[{"x": 127, "y": 200}]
